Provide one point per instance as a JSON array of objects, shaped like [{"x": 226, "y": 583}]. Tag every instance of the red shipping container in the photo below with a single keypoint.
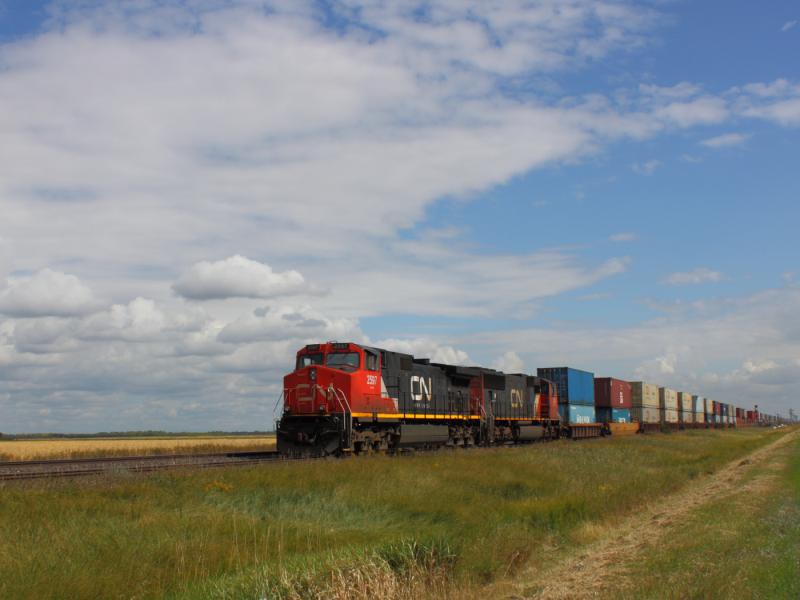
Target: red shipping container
[{"x": 612, "y": 393}]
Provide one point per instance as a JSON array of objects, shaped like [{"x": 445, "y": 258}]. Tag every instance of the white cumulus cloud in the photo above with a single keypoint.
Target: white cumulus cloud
[
  {"x": 238, "y": 277},
  {"x": 777, "y": 101},
  {"x": 705, "y": 110},
  {"x": 510, "y": 362},
  {"x": 424, "y": 347},
  {"x": 140, "y": 319},
  {"x": 47, "y": 293}
]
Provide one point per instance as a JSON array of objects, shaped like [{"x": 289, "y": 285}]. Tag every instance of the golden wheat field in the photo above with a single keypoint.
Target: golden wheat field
[{"x": 89, "y": 448}]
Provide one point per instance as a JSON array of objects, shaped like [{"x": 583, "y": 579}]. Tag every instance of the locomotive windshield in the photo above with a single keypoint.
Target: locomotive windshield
[
  {"x": 309, "y": 359},
  {"x": 343, "y": 360}
]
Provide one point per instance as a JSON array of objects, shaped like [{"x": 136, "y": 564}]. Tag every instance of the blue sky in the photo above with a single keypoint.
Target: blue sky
[{"x": 192, "y": 190}]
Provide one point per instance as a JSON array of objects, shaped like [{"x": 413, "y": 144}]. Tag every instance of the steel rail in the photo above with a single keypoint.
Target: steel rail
[{"x": 135, "y": 465}]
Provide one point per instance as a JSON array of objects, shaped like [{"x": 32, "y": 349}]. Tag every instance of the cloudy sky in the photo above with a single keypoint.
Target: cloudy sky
[{"x": 191, "y": 190}]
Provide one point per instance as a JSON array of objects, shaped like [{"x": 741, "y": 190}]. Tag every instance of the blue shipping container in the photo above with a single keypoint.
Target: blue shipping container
[
  {"x": 574, "y": 386},
  {"x": 613, "y": 415},
  {"x": 576, "y": 413}
]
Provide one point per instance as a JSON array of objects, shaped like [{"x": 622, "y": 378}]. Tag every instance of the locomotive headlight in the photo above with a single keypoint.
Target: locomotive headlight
[{"x": 312, "y": 374}]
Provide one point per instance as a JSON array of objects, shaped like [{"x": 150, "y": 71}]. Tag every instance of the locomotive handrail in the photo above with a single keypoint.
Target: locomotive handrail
[
  {"x": 281, "y": 396},
  {"x": 348, "y": 412},
  {"x": 278, "y": 402}
]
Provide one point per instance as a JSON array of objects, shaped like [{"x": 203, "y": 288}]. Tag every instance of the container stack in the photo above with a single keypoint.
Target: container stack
[
  {"x": 644, "y": 404},
  {"x": 575, "y": 393},
  {"x": 668, "y": 403},
  {"x": 685, "y": 414},
  {"x": 699, "y": 410},
  {"x": 612, "y": 400}
]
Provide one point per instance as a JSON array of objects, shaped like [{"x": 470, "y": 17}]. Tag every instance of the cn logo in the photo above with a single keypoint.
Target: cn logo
[
  {"x": 516, "y": 399},
  {"x": 421, "y": 388}
]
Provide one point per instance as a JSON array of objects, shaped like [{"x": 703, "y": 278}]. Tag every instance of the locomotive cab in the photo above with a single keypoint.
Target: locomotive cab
[
  {"x": 330, "y": 378},
  {"x": 329, "y": 381}
]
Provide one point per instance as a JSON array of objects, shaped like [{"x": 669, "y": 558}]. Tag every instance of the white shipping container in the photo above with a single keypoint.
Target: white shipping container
[
  {"x": 670, "y": 415},
  {"x": 668, "y": 399},
  {"x": 644, "y": 394},
  {"x": 646, "y": 414},
  {"x": 684, "y": 402}
]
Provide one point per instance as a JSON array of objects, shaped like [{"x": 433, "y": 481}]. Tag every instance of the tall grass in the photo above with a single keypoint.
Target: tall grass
[{"x": 378, "y": 527}]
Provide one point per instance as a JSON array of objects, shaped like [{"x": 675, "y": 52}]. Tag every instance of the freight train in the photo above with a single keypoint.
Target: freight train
[{"x": 345, "y": 398}]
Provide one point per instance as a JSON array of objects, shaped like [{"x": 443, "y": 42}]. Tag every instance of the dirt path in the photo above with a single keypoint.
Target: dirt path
[{"x": 585, "y": 575}]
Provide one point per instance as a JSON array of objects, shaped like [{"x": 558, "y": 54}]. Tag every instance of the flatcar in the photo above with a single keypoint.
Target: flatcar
[{"x": 350, "y": 398}]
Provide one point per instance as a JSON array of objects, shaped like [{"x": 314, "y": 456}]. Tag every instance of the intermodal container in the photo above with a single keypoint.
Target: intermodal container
[
  {"x": 644, "y": 395},
  {"x": 612, "y": 415},
  {"x": 611, "y": 393},
  {"x": 668, "y": 401},
  {"x": 574, "y": 386},
  {"x": 685, "y": 408},
  {"x": 698, "y": 408},
  {"x": 576, "y": 413},
  {"x": 646, "y": 414}
]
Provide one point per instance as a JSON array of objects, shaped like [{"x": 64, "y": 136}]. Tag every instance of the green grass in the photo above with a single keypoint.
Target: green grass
[
  {"x": 441, "y": 522},
  {"x": 742, "y": 546}
]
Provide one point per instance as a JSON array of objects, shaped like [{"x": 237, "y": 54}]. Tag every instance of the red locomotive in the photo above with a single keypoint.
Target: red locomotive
[{"x": 345, "y": 397}]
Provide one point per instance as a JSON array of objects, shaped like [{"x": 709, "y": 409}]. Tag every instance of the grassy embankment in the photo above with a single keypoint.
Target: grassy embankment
[
  {"x": 40, "y": 449},
  {"x": 742, "y": 545},
  {"x": 431, "y": 525}
]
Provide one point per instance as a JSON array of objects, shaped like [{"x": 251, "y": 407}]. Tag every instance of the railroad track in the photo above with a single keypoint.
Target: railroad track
[{"x": 81, "y": 467}]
